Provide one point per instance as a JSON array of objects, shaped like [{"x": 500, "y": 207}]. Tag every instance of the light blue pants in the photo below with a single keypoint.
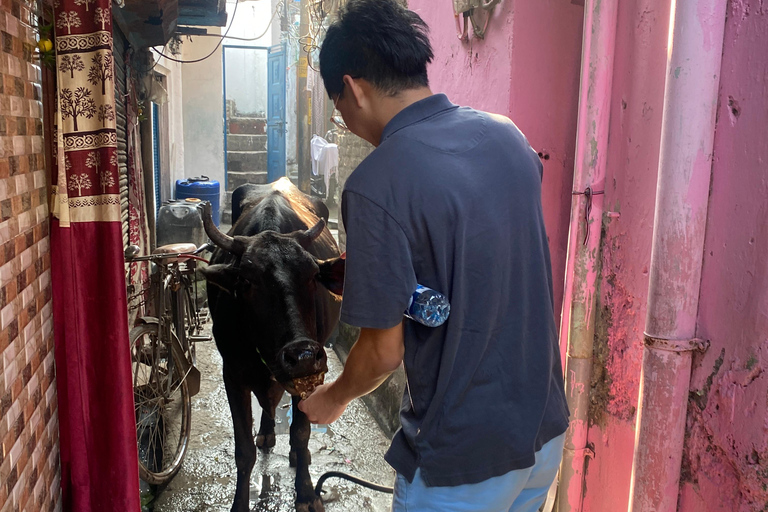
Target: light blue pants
[{"x": 522, "y": 490}]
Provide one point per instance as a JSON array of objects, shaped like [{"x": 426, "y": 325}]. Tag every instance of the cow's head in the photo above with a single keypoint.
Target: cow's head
[{"x": 275, "y": 282}]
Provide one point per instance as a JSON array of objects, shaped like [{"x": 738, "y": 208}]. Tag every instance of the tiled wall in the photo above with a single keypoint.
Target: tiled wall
[{"x": 29, "y": 460}]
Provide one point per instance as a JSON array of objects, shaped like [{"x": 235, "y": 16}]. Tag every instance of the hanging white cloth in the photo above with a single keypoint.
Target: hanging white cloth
[{"x": 325, "y": 159}]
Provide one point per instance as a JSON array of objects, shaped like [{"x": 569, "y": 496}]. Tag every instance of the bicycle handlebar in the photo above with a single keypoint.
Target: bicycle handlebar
[{"x": 129, "y": 258}]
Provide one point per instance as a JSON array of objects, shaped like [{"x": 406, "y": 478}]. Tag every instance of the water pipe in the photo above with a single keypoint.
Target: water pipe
[
  {"x": 583, "y": 261},
  {"x": 685, "y": 166}
]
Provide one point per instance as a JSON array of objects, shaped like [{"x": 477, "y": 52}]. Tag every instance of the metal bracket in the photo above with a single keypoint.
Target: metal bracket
[
  {"x": 688, "y": 345},
  {"x": 467, "y": 9},
  {"x": 588, "y": 194},
  {"x": 587, "y": 452}
]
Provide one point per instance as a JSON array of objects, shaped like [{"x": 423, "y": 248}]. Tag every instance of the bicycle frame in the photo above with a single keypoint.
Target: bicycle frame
[
  {"x": 169, "y": 286},
  {"x": 172, "y": 321}
]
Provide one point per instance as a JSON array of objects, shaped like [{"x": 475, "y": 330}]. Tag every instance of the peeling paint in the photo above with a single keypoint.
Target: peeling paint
[
  {"x": 632, "y": 165},
  {"x": 719, "y": 446},
  {"x": 600, "y": 384},
  {"x": 727, "y": 449},
  {"x": 618, "y": 347},
  {"x": 700, "y": 397}
]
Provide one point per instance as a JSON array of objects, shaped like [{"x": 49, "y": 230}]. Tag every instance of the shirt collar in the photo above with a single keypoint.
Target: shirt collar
[{"x": 417, "y": 112}]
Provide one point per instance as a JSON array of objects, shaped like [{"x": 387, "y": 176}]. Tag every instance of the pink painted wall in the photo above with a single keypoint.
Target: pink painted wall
[
  {"x": 630, "y": 189},
  {"x": 528, "y": 69},
  {"x": 725, "y": 466},
  {"x": 726, "y": 458}
]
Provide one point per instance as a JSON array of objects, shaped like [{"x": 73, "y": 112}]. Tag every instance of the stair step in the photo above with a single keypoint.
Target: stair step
[
  {"x": 235, "y": 179},
  {"x": 246, "y": 161},
  {"x": 247, "y": 125},
  {"x": 237, "y": 142}
]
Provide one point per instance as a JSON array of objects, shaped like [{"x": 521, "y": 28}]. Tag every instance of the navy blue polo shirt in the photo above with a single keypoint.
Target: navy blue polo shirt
[{"x": 451, "y": 199}]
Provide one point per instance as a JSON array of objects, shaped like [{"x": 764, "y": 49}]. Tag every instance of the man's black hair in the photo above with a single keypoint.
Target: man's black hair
[{"x": 379, "y": 41}]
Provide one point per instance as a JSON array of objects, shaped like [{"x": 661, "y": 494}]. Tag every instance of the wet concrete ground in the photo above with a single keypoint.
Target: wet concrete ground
[{"x": 206, "y": 483}]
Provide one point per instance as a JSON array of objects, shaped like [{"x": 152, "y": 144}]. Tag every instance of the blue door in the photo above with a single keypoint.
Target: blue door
[{"x": 276, "y": 113}]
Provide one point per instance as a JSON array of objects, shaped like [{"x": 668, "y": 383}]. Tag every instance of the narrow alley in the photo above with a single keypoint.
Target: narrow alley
[{"x": 531, "y": 235}]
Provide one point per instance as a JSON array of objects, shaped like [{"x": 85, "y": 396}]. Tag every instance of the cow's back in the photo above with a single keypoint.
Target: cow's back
[{"x": 279, "y": 206}]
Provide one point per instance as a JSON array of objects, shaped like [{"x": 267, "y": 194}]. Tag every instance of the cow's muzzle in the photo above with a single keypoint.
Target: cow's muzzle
[
  {"x": 305, "y": 363},
  {"x": 302, "y": 358}
]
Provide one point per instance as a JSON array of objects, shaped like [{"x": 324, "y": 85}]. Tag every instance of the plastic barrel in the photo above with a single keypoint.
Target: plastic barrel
[{"x": 201, "y": 188}]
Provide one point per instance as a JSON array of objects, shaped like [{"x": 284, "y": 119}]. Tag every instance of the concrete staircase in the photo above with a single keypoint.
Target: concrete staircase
[{"x": 246, "y": 156}]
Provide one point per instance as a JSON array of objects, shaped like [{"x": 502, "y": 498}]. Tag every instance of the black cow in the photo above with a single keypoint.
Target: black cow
[{"x": 274, "y": 287}]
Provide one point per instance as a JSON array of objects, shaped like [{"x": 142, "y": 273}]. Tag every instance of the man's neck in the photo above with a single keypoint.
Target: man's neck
[{"x": 389, "y": 106}]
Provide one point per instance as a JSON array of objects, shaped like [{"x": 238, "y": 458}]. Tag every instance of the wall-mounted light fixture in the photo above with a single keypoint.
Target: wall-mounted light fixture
[{"x": 472, "y": 11}]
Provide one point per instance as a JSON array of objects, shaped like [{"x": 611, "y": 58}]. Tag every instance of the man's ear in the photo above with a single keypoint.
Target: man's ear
[
  {"x": 356, "y": 88},
  {"x": 332, "y": 275},
  {"x": 222, "y": 276}
]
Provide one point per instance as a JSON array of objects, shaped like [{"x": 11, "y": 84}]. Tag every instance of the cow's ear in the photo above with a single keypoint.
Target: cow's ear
[
  {"x": 332, "y": 275},
  {"x": 222, "y": 276}
]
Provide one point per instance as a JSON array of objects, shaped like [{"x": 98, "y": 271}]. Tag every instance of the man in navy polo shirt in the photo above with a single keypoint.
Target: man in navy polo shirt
[{"x": 450, "y": 199}]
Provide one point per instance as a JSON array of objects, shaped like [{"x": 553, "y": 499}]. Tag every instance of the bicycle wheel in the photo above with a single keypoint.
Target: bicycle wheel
[{"x": 162, "y": 404}]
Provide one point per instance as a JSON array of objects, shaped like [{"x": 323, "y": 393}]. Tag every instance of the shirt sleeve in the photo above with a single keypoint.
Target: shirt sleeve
[{"x": 379, "y": 279}]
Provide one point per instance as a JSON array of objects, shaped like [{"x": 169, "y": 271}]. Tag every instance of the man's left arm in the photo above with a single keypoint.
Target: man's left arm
[{"x": 374, "y": 357}]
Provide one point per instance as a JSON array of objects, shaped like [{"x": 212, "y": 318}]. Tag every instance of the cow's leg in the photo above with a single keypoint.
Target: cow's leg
[
  {"x": 271, "y": 397},
  {"x": 239, "y": 397},
  {"x": 306, "y": 500}
]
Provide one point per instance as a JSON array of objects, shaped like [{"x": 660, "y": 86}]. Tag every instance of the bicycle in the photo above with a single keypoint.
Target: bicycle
[{"x": 163, "y": 358}]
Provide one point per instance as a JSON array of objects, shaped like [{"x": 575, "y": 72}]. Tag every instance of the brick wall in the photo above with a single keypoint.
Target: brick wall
[
  {"x": 352, "y": 151},
  {"x": 29, "y": 456}
]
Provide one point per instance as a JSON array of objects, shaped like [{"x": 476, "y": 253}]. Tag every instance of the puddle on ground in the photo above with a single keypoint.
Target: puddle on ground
[{"x": 206, "y": 483}]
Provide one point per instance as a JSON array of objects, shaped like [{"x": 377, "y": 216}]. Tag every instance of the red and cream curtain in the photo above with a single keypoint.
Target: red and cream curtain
[{"x": 99, "y": 467}]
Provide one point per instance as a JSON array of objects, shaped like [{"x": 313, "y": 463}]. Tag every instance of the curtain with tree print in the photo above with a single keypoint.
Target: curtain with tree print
[{"x": 99, "y": 464}]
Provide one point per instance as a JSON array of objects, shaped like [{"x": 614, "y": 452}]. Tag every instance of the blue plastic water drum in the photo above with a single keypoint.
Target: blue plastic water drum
[{"x": 201, "y": 188}]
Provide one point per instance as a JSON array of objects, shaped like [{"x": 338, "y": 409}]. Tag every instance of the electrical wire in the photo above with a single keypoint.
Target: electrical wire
[
  {"x": 317, "y": 15},
  {"x": 157, "y": 61},
  {"x": 212, "y": 52},
  {"x": 271, "y": 20}
]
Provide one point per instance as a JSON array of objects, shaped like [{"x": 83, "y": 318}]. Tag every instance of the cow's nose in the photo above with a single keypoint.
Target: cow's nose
[{"x": 303, "y": 357}]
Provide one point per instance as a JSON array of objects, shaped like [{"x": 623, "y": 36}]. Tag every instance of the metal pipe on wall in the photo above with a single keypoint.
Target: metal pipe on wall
[
  {"x": 583, "y": 261},
  {"x": 688, "y": 127}
]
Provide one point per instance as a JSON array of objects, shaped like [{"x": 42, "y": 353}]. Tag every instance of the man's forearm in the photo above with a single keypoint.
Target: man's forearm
[{"x": 374, "y": 357}]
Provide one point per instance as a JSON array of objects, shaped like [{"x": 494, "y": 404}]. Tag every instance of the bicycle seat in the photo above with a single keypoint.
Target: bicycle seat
[{"x": 175, "y": 249}]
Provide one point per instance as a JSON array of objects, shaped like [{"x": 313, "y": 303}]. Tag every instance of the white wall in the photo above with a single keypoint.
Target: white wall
[
  {"x": 247, "y": 69},
  {"x": 172, "y": 124},
  {"x": 203, "y": 115}
]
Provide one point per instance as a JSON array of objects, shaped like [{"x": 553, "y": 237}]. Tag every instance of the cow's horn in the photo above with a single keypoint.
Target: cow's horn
[
  {"x": 222, "y": 240},
  {"x": 307, "y": 237}
]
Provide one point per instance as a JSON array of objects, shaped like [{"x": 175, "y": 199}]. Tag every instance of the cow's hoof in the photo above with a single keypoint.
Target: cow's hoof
[
  {"x": 265, "y": 442},
  {"x": 293, "y": 458},
  {"x": 315, "y": 506}
]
